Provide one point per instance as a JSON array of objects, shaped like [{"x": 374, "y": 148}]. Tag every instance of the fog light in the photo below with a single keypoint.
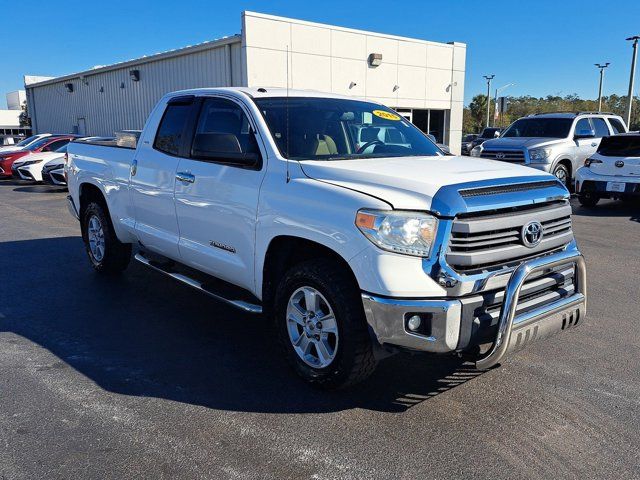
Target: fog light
[{"x": 414, "y": 323}]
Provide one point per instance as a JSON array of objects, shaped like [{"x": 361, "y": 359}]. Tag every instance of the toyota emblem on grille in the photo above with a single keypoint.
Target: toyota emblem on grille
[
  {"x": 619, "y": 163},
  {"x": 500, "y": 156},
  {"x": 531, "y": 234}
]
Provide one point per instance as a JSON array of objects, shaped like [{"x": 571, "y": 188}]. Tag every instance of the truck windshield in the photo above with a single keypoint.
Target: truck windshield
[
  {"x": 540, "y": 127},
  {"x": 620, "y": 146},
  {"x": 489, "y": 132},
  {"x": 339, "y": 129}
]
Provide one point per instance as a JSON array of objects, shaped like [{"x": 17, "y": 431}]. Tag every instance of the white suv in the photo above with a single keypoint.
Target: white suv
[
  {"x": 557, "y": 143},
  {"x": 612, "y": 172}
]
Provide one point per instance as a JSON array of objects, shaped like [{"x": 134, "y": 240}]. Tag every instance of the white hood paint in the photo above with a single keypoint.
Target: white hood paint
[
  {"x": 44, "y": 156},
  {"x": 411, "y": 182},
  {"x": 524, "y": 142}
]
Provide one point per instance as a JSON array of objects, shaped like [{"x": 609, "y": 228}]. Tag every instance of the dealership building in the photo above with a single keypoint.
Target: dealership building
[{"x": 422, "y": 80}]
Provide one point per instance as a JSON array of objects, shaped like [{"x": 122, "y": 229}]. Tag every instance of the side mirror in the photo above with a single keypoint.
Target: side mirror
[{"x": 585, "y": 134}]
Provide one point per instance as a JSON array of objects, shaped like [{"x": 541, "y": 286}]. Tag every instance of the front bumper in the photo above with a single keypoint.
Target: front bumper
[
  {"x": 54, "y": 177},
  {"x": 72, "y": 207},
  {"x": 446, "y": 324},
  {"x": 545, "y": 167}
]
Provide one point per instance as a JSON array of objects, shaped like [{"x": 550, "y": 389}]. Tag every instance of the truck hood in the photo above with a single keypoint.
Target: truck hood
[
  {"x": 411, "y": 182},
  {"x": 520, "y": 142}
]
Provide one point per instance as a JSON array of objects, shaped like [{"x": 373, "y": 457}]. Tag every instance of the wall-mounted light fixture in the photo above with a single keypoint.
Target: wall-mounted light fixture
[
  {"x": 101, "y": 89},
  {"x": 135, "y": 75},
  {"x": 375, "y": 59},
  {"x": 84, "y": 80},
  {"x": 352, "y": 84},
  {"x": 396, "y": 88},
  {"x": 122, "y": 85},
  {"x": 69, "y": 87}
]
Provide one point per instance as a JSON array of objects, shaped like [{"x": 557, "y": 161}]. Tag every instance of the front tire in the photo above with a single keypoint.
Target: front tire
[
  {"x": 562, "y": 173},
  {"x": 321, "y": 325},
  {"x": 106, "y": 253}
]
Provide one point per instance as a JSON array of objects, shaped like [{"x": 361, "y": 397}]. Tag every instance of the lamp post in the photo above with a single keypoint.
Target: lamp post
[
  {"x": 495, "y": 102},
  {"x": 632, "y": 76},
  {"x": 601, "y": 67},
  {"x": 488, "y": 78}
]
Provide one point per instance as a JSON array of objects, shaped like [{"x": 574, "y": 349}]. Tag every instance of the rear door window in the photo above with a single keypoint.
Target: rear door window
[
  {"x": 171, "y": 129},
  {"x": 616, "y": 125},
  {"x": 600, "y": 126},
  {"x": 223, "y": 131},
  {"x": 56, "y": 145}
]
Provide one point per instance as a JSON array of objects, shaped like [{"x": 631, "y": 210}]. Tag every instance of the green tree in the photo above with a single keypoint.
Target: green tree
[{"x": 474, "y": 115}]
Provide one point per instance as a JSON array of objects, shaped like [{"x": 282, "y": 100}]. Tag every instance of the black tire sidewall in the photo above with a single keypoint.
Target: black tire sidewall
[
  {"x": 349, "y": 320},
  {"x": 115, "y": 252},
  {"x": 588, "y": 196},
  {"x": 567, "y": 181}
]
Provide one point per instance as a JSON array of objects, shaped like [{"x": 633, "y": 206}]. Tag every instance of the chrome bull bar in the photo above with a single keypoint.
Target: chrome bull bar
[{"x": 542, "y": 321}]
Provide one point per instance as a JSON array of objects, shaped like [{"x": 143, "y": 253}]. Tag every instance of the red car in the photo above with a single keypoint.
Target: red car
[{"x": 47, "y": 144}]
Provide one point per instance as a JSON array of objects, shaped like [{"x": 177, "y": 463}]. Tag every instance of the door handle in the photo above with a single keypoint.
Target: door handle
[
  {"x": 185, "y": 177},
  {"x": 134, "y": 168}
]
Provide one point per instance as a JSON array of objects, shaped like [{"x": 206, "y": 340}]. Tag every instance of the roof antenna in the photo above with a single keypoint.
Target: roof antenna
[{"x": 287, "y": 117}]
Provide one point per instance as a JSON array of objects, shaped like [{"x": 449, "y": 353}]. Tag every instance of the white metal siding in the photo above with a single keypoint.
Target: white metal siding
[
  {"x": 53, "y": 109},
  {"x": 414, "y": 74}
]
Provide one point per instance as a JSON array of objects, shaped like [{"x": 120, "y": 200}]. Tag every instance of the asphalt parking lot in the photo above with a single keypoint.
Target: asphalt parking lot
[{"x": 142, "y": 377}]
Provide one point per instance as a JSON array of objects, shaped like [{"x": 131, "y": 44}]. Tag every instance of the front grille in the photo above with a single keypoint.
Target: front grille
[
  {"x": 518, "y": 187},
  {"x": 59, "y": 177},
  {"x": 512, "y": 156},
  {"x": 494, "y": 239},
  {"x": 546, "y": 288},
  {"x": 26, "y": 173}
]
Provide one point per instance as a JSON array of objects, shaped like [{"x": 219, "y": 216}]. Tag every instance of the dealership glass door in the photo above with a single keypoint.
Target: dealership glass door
[{"x": 429, "y": 121}]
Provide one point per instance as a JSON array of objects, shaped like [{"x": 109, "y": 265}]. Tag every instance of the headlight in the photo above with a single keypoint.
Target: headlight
[
  {"x": 476, "y": 151},
  {"x": 31, "y": 162},
  {"x": 537, "y": 154},
  {"x": 411, "y": 233},
  {"x": 590, "y": 161}
]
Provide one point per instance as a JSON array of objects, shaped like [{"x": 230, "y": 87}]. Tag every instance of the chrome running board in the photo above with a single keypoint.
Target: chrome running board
[{"x": 158, "y": 267}]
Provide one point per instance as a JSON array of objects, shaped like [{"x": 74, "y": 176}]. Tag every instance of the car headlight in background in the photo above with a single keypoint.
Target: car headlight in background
[
  {"x": 411, "y": 233},
  {"x": 538, "y": 154},
  {"x": 590, "y": 161},
  {"x": 476, "y": 151},
  {"x": 30, "y": 162}
]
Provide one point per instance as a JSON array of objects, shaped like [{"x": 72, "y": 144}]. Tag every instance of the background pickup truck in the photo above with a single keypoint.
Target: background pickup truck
[{"x": 355, "y": 244}]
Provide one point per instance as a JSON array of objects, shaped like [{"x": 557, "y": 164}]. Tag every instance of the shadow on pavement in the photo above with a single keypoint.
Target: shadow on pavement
[
  {"x": 610, "y": 208},
  {"x": 39, "y": 188},
  {"x": 143, "y": 334}
]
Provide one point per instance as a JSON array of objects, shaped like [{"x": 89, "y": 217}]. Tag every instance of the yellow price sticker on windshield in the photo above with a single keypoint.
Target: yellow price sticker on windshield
[{"x": 386, "y": 115}]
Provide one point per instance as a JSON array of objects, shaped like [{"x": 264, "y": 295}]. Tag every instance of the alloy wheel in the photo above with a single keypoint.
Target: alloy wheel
[
  {"x": 312, "y": 327},
  {"x": 95, "y": 236}
]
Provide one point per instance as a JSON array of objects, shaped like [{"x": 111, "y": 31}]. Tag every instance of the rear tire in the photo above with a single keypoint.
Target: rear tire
[
  {"x": 588, "y": 199},
  {"x": 106, "y": 253},
  {"x": 341, "y": 353}
]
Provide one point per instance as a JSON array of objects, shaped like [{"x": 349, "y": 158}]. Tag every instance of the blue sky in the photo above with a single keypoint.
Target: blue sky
[{"x": 545, "y": 47}]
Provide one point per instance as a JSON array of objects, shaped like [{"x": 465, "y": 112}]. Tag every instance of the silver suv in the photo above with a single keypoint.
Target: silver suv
[{"x": 557, "y": 143}]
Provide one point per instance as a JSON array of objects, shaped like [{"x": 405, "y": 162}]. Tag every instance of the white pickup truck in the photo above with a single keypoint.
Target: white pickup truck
[{"x": 355, "y": 244}]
